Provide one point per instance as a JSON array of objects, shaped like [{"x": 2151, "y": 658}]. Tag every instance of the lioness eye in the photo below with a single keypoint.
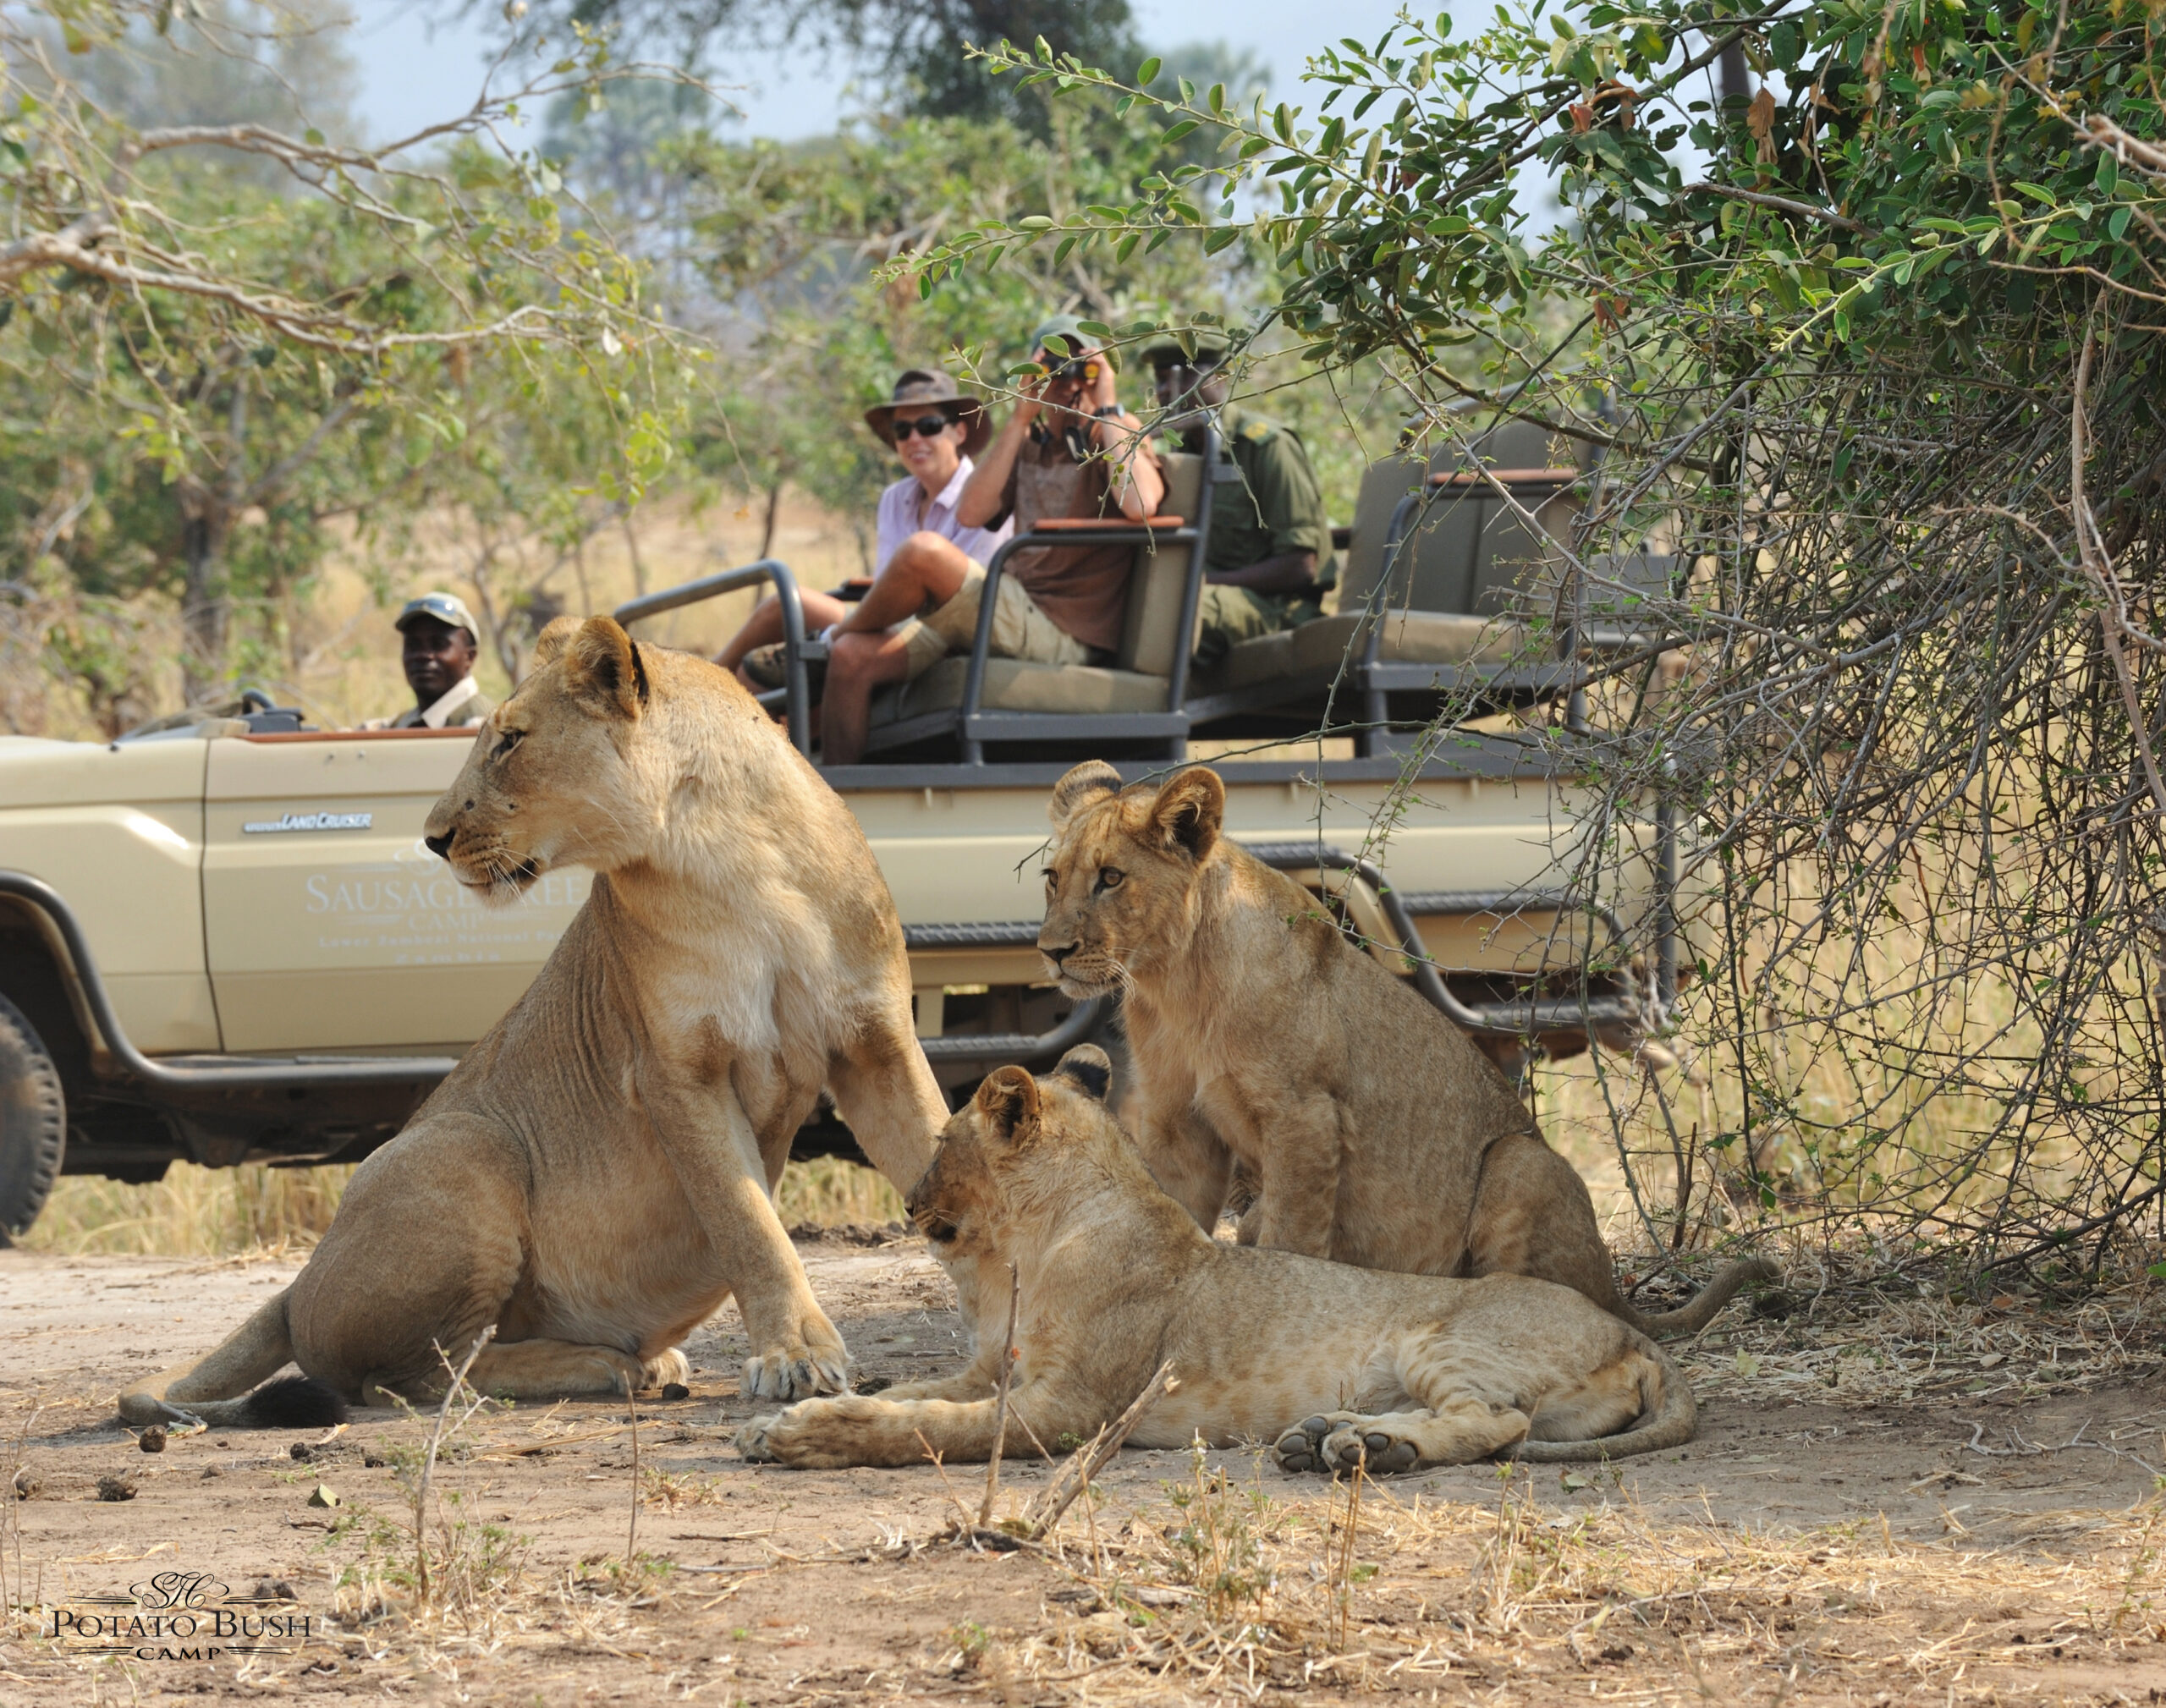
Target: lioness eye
[
  {"x": 1109, "y": 878},
  {"x": 511, "y": 738}
]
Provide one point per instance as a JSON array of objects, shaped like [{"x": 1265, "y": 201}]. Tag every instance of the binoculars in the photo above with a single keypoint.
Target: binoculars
[{"x": 1083, "y": 368}]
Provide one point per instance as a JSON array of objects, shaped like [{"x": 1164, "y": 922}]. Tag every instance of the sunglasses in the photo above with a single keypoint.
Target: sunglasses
[{"x": 932, "y": 426}]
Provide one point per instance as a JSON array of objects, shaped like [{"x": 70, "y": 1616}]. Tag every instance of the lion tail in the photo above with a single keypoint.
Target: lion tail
[
  {"x": 216, "y": 1390},
  {"x": 1668, "y": 1419},
  {"x": 1691, "y": 1319}
]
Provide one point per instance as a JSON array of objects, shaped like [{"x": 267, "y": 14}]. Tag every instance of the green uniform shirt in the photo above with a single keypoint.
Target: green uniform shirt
[{"x": 1274, "y": 505}]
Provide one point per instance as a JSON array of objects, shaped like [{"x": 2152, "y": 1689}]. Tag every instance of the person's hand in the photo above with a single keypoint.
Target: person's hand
[
  {"x": 1030, "y": 394},
  {"x": 1100, "y": 394}
]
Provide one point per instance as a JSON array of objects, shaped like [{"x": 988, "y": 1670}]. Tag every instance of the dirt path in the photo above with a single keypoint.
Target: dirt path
[{"x": 1847, "y": 1547}]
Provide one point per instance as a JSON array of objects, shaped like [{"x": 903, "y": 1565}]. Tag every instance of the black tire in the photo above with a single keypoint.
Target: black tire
[{"x": 33, "y": 1123}]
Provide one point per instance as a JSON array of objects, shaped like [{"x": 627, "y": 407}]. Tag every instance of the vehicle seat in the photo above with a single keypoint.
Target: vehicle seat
[{"x": 1135, "y": 682}]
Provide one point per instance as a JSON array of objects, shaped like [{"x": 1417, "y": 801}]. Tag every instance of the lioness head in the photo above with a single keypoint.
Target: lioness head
[
  {"x": 1121, "y": 872},
  {"x": 557, "y": 775},
  {"x": 997, "y": 1152}
]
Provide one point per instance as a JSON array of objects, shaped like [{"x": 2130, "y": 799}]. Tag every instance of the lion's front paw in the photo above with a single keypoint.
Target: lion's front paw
[
  {"x": 816, "y": 1362},
  {"x": 1369, "y": 1443},
  {"x": 755, "y": 1440},
  {"x": 814, "y": 1434}
]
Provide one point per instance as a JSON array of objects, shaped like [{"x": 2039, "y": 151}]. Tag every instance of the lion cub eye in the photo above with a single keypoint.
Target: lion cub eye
[
  {"x": 1110, "y": 877},
  {"x": 508, "y": 740}
]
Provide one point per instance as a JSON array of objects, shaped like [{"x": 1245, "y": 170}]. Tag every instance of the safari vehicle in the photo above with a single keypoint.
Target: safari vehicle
[{"x": 222, "y": 938}]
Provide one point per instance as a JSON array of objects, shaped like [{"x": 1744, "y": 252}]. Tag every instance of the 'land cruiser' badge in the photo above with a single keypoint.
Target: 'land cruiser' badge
[{"x": 309, "y": 821}]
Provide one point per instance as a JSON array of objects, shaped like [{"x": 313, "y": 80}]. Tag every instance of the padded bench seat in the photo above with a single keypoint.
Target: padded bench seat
[
  {"x": 1410, "y": 637},
  {"x": 1012, "y": 685}
]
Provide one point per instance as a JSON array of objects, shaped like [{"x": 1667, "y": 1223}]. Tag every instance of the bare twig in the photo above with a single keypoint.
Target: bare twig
[
  {"x": 429, "y": 1457},
  {"x": 1092, "y": 1456},
  {"x": 1000, "y": 1400}
]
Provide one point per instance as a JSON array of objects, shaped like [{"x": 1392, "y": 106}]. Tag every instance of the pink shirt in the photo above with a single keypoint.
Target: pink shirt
[{"x": 903, "y": 512}]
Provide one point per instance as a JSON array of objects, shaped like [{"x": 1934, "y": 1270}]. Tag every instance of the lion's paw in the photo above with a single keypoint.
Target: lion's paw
[
  {"x": 1375, "y": 1448},
  {"x": 814, "y": 1434},
  {"x": 1300, "y": 1448},
  {"x": 814, "y": 1365},
  {"x": 755, "y": 1441},
  {"x": 664, "y": 1368}
]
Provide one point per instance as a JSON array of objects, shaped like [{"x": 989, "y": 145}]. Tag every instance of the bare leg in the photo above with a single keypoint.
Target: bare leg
[
  {"x": 858, "y": 663},
  {"x": 926, "y": 571},
  {"x": 764, "y": 626}
]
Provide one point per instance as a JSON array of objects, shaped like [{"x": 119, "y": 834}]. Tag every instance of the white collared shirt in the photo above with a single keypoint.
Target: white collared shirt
[
  {"x": 439, "y": 714},
  {"x": 903, "y": 512}
]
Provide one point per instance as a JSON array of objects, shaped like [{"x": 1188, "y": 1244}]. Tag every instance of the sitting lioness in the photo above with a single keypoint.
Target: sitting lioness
[
  {"x": 1376, "y": 1132},
  {"x": 1337, "y": 1365},
  {"x": 592, "y": 1178}
]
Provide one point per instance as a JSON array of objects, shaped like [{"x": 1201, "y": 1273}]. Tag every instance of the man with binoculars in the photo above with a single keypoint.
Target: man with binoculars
[{"x": 1069, "y": 450}]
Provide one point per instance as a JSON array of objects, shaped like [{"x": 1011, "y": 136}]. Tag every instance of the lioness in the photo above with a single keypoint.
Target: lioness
[
  {"x": 592, "y": 1178},
  {"x": 1377, "y": 1133},
  {"x": 1339, "y": 1364}
]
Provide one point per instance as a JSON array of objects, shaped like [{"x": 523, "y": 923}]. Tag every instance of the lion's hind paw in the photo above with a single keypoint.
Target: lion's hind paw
[
  {"x": 1366, "y": 1442},
  {"x": 1300, "y": 1448}
]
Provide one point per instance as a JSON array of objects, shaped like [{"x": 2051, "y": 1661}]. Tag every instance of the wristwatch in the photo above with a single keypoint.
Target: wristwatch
[{"x": 1108, "y": 412}]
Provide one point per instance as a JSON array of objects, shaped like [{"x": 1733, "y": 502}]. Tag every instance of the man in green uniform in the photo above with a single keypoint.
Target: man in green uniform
[{"x": 1270, "y": 562}]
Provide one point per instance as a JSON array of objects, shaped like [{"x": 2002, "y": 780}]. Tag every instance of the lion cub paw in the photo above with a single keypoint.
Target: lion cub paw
[
  {"x": 1341, "y": 1442},
  {"x": 814, "y": 1435},
  {"x": 664, "y": 1368}
]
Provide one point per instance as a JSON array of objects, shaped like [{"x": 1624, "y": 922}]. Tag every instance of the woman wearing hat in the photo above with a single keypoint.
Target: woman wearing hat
[{"x": 922, "y": 554}]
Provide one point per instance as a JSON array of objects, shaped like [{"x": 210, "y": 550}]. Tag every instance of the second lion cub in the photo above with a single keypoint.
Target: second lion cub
[{"x": 1379, "y": 1135}]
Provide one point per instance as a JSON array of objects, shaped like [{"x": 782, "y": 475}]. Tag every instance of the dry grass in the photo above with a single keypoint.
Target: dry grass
[{"x": 221, "y": 1212}]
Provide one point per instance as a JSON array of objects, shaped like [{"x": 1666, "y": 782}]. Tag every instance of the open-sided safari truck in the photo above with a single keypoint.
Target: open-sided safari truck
[{"x": 222, "y": 939}]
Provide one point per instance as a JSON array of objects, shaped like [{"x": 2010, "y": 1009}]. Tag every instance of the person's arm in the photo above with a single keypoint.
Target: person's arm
[
  {"x": 985, "y": 494},
  {"x": 1134, "y": 477},
  {"x": 1287, "y": 571}
]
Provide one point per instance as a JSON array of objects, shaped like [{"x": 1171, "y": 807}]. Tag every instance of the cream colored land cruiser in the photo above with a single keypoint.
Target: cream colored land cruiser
[{"x": 222, "y": 938}]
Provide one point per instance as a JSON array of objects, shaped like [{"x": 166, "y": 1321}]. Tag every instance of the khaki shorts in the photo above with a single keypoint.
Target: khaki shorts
[{"x": 1020, "y": 629}]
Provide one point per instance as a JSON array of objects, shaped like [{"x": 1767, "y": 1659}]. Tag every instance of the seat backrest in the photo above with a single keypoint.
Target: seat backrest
[{"x": 1148, "y": 644}]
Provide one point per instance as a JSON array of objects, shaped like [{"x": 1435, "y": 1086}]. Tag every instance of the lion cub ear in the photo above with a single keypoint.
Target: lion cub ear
[
  {"x": 603, "y": 663},
  {"x": 1189, "y": 811},
  {"x": 1008, "y": 1102},
  {"x": 1088, "y": 1068},
  {"x": 1087, "y": 784}
]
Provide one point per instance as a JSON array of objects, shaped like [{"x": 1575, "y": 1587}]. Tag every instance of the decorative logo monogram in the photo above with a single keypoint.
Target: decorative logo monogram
[{"x": 177, "y": 1615}]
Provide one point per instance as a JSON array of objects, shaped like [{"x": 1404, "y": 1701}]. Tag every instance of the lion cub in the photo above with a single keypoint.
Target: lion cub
[
  {"x": 1336, "y": 1364},
  {"x": 1379, "y": 1133}
]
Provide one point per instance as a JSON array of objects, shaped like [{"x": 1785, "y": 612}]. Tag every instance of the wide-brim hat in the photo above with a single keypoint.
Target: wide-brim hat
[{"x": 919, "y": 389}]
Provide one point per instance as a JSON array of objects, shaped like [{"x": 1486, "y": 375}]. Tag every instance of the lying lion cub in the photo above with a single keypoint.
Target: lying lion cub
[
  {"x": 1337, "y": 1364},
  {"x": 1378, "y": 1134},
  {"x": 592, "y": 1178}
]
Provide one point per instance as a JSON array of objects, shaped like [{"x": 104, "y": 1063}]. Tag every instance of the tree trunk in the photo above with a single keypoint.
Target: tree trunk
[
  {"x": 203, "y": 602},
  {"x": 768, "y": 522}
]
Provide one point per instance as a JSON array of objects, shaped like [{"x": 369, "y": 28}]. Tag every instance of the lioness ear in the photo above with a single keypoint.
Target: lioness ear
[
  {"x": 1008, "y": 1100},
  {"x": 1191, "y": 808},
  {"x": 553, "y": 639},
  {"x": 1088, "y": 783},
  {"x": 1088, "y": 1068},
  {"x": 604, "y": 661}
]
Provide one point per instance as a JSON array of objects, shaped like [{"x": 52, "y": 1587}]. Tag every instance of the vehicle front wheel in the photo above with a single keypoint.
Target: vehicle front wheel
[{"x": 33, "y": 1123}]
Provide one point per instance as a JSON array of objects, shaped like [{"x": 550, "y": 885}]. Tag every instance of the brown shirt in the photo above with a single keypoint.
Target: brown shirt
[{"x": 1084, "y": 588}]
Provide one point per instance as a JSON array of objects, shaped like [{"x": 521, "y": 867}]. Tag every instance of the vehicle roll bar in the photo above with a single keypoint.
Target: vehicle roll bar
[
  {"x": 797, "y": 698},
  {"x": 185, "y": 1079},
  {"x": 1499, "y": 1020}
]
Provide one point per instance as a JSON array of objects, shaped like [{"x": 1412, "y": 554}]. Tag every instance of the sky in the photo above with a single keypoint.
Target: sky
[{"x": 421, "y": 63}]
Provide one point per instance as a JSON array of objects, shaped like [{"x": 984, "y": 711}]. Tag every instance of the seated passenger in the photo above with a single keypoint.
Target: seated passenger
[
  {"x": 1269, "y": 561},
  {"x": 935, "y": 431},
  {"x": 1069, "y": 450},
  {"x": 438, "y": 654}
]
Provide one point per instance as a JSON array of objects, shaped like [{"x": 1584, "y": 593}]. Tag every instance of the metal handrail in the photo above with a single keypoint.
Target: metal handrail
[
  {"x": 1019, "y": 1047},
  {"x": 1499, "y": 1020},
  {"x": 1197, "y": 536},
  {"x": 188, "y": 1076},
  {"x": 798, "y": 696}
]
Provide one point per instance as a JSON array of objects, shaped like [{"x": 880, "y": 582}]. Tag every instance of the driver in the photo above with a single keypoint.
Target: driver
[{"x": 438, "y": 655}]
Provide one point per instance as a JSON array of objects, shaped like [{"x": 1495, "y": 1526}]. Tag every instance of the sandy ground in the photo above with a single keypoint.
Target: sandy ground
[{"x": 1958, "y": 1546}]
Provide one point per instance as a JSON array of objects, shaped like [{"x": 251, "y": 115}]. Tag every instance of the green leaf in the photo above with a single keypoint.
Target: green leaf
[
  {"x": 2108, "y": 173},
  {"x": 2157, "y": 1271},
  {"x": 2118, "y": 225},
  {"x": 1174, "y": 133},
  {"x": 312, "y": 137},
  {"x": 1147, "y": 74},
  {"x": 1225, "y": 237}
]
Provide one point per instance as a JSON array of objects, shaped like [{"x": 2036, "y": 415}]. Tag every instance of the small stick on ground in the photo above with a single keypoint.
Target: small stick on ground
[
  {"x": 1000, "y": 1408},
  {"x": 632, "y": 1533},
  {"x": 1092, "y": 1457},
  {"x": 429, "y": 1458}
]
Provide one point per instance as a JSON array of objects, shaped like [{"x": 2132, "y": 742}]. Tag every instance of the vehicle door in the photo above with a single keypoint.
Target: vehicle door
[{"x": 328, "y": 924}]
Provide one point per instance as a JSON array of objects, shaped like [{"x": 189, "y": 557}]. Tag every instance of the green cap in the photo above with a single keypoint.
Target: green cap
[
  {"x": 1068, "y": 327},
  {"x": 1206, "y": 344}
]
